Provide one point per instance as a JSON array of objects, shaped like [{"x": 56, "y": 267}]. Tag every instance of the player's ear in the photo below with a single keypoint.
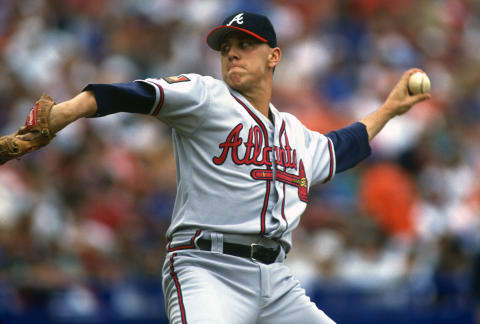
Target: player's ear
[{"x": 274, "y": 57}]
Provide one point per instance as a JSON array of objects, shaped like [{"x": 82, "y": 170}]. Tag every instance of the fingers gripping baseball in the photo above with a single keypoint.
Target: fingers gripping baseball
[
  {"x": 34, "y": 134},
  {"x": 400, "y": 100}
]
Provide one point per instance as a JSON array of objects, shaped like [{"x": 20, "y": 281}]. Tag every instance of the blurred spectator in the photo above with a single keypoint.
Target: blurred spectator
[
  {"x": 451, "y": 276},
  {"x": 476, "y": 284},
  {"x": 388, "y": 194}
]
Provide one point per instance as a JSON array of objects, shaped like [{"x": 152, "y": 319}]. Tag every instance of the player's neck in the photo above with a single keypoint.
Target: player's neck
[
  {"x": 262, "y": 104},
  {"x": 259, "y": 98}
]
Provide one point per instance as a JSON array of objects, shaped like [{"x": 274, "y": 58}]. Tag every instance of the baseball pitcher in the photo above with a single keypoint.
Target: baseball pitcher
[{"x": 244, "y": 171}]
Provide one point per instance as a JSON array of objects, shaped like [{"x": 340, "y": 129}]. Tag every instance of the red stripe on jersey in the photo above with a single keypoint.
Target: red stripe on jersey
[
  {"x": 264, "y": 209},
  {"x": 330, "y": 173},
  {"x": 162, "y": 98},
  {"x": 255, "y": 117},
  {"x": 282, "y": 129},
  {"x": 179, "y": 290},
  {"x": 265, "y": 135},
  {"x": 191, "y": 245}
]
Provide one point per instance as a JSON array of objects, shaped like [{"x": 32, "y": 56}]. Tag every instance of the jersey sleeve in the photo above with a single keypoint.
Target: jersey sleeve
[
  {"x": 351, "y": 145},
  {"x": 132, "y": 97},
  {"x": 323, "y": 156},
  {"x": 182, "y": 101}
]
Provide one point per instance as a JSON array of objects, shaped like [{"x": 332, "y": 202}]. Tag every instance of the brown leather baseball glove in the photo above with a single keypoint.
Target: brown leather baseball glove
[{"x": 37, "y": 122}]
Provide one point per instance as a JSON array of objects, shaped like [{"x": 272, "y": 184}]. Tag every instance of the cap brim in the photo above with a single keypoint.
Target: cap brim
[{"x": 217, "y": 34}]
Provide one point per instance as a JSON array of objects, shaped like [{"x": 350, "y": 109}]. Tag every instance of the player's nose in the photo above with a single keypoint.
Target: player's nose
[{"x": 233, "y": 53}]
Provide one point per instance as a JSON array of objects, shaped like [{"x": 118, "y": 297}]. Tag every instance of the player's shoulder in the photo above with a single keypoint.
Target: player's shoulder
[
  {"x": 291, "y": 119},
  {"x": 296, "y": 124}
]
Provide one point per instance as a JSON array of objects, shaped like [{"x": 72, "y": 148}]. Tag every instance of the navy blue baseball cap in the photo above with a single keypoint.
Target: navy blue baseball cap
[{"x": 255, "y": 25}]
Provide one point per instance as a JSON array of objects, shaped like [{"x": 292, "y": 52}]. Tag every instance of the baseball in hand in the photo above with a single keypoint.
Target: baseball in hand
[{"x": 418, "y": 83}]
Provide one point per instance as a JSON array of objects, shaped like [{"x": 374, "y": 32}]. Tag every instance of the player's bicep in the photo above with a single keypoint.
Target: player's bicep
[{"x": 351, "y": 145}]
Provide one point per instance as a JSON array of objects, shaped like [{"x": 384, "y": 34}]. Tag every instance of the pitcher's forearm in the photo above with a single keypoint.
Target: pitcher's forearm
[
  {"x": 375, "y": 121},
  {"x": 82, "y": 105}
]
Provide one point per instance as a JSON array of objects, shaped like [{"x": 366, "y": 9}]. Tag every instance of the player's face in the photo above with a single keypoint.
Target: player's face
[{"x": 245, "y": 60}]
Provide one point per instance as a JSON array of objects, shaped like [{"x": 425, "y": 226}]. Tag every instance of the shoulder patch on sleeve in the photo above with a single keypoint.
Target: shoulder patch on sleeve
[{"x": 175, "y": 79}]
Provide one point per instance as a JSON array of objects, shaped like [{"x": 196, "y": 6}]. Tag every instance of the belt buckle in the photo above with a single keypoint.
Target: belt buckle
[{"x": 253, "y": 248}]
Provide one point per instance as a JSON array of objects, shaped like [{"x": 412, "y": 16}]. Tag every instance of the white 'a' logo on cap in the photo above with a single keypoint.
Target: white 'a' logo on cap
[{"x": 238, "y": 18}]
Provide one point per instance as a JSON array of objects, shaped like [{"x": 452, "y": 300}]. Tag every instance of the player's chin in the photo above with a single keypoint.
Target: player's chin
[{"x": 235, "y": 81}]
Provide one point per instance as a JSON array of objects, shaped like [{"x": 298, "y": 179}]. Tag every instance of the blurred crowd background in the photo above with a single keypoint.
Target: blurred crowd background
[{"x": 82, "y": 222}]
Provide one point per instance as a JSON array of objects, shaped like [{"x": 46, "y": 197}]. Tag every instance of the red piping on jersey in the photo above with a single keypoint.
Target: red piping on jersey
[
  {"x": 264, "y": 209},
  {"x": 282, "y": 129},
  {"x": 283, "y": 207},
  {"x": 330, "y": 174},
  {"x": 265, "y": 135},
  {"x": 179, "y": 290},
  {"x": 255, "y": 117},
  {"x": 162, "y": 97},
  {"x": 191, "y": 245}
]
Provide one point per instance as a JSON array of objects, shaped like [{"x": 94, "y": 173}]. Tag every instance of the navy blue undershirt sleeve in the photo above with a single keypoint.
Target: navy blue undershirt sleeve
[
  {"x": 351, "y": 145},
  {"x": 132, "y": 97}
]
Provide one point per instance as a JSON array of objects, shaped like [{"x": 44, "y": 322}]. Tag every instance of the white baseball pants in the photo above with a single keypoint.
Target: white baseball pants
[{"x": 204, "y": 287}]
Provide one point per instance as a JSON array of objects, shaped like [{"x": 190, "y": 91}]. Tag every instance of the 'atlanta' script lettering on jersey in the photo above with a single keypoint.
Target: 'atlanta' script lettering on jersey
[{"x": 255, "y": 152}]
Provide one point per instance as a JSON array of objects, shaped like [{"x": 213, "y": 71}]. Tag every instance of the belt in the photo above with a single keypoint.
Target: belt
[{"x": 255, "y": 252}]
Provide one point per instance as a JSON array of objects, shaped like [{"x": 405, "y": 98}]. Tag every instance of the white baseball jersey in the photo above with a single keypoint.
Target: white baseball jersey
[{"x": 237, "y": 172}]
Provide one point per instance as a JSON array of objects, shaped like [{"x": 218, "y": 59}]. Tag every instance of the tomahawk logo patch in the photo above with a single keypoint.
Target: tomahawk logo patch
[{"x": 176, "y": 79}]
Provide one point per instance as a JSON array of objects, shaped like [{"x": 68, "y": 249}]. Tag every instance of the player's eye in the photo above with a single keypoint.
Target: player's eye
[
  {"x": 244, "y": 44},
  {"x": 224, "y": 48}
]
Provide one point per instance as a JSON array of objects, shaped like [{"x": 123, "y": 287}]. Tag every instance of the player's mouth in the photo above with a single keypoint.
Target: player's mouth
[{"x": 234, "y": 67}]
